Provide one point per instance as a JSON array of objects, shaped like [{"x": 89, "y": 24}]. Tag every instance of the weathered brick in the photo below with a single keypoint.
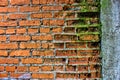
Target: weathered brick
[
  {"x": 58, "y": 68},
  {"x": 44, "y": 30},
  {"x": 3, "y": 53},
  {"x": 57, "y": 30},
  {"x": 52, "y": 8},
  {"x": 67, "y": 75},
  {"x": 76, "y": 45},
  {"x": 35, "y": 1},
  {"x": 63, "y": 37},
  {"x": 83, "y": 68},
  {"x": 78, "y": 61},
  {"x": 20, "y": 53},
  {"x": 70, "y": 68},
  {"x": 29, "y": 45},
  {"x": 3, "y": 38},
  {"x": 46, "y": 68},
  {"x": 32, "y": 30},
  {"x": 8, "y": 45},
  {"x": 29, "y": 23},
  {"x": 89, "y": 37},
  {"x": 10, "y": 31},
  {"x": 19, "y": 38},
  {"x": 42, "y": 37},
  {"x": 43, "y": 53},
  {"x": 47, "y": 45},
  {"x": 2, "y": 68},
  {"x": 29, "y": 9},
  {"x": 53, "y": 22},
  {"x": 3, "y": 75},
  {"x": 43, "y": 76},
  {"x": 21, "y": 31},
  {"x": 32, "y": 61},
  {"x": 34, "y": 69},
  {"x": 17, "y": 16},
  {"x": 2, "y": 31},
  {"x": 8, "y": 23},
  {"x": 19, "y": 2},
  {"x": 41, "y": 15},
  {"x": 66, "y": 53},
  {"x": 9, "y": 61},
  {"x": 8, "y": 9},
  {"x": 22, "y": 69},
  {"x": 4, "y": 3},
  {"x": 10, "y": 68}
]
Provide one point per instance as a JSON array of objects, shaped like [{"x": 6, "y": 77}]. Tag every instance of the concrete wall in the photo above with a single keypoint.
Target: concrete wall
[{"x": 110, "y": 45}]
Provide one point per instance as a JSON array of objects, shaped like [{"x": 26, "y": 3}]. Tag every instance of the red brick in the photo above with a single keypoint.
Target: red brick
[
  {"x": 57, "y": 30},
  {"x": 42, "y": 37},
  {"x": 3, "y": 2},
  {"x": 43, "y": 53},
  {"x": 42, "y": 15},
  {"x": 29, "y": 9},
  {"x": 2, "y": 68},
  {"x": 32, "y": 61},
  {"x": 43, "y": 76},
  {"x": 78, "y": 61},
  {"x": 67, "y": 75},
  {"x": 16, "y": 75},
  {"x": 47, "y": 45},
  {"x": 66, "y": 53},
  {"x": 59, "y": 68},
  {"x": 76, "y": 45},
  {"x": 83, "y": 68},
  {"x": 10, "y": 31},
  {"x": 30, "y": 45},
  {"x": 19, "y": 2},
  {"x": 44, "y": 30},
  {"x": 64, "y": 37},
  {"x": 2, "y": 31},
  {"x": 17, "y": 16},
  {"x": 8, "y": 9},
  {"x": 52, "y": 8},
  {"x": 46, "y": 1},
  {"x": 3, "y": 75},
  {"x": 12, "y": 9},
  {"x": 53, "y": 22},
  {"x": 34, "y": 69},
  {"x": 46, "y": 68},
  {"x": 70, "y": 68},
  {"x": 63, "y": 1},
  {"x": 43, "y": 1},
  {"x": 89, "y": 38},
  {"x": 10, "y": 68},
  {"x": 21, "y": 30},
  {"x": 57, "y": 22},
  {"x": 2, "y": 38},
  {"x": 8, "y": 45},
  {"x": 8, "y": 23},
  {"x": 29, "y": 23},
  {"x": 3, "y": 53},
  {"x": 35, "y": 1},
  {"x": 19, "y": 53},
  {"x": 9, "y": 61},
  {"x": 1, "y": 17},
  {"x": 32, "y": 30},
  {"x": 22, "y": 69},
  {"x": 19, "y": 38}
]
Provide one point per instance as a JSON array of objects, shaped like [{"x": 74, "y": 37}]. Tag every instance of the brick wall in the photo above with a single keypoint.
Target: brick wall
[{"x": 50, "y": 39}]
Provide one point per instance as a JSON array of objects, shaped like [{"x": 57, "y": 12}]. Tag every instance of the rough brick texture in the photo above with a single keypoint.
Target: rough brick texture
[{"x": 50, "y": 40}]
